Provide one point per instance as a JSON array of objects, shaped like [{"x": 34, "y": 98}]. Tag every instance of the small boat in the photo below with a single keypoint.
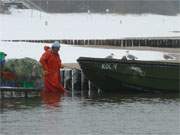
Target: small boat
[{"x": 115, "y": 74}]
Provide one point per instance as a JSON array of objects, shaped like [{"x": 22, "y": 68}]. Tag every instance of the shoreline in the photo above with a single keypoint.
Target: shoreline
[
  {"x": 173, "y": 51},
  {"x": 169, "y": 50}
]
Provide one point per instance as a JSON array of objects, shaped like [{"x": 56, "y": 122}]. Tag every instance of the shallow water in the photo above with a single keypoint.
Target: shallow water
[{"x": 107, "y": 114}]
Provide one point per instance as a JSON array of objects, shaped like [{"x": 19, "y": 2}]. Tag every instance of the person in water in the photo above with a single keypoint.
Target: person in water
[{"x": 51, "y": 64}]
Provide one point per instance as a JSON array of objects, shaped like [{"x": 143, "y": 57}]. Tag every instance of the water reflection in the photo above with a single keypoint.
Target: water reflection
[
  {"x": 54, "y": 99},
  {"x": 19, "y": 104},
  {"x": 108, "y": 113},
  {"x": 51, "y": 99}
]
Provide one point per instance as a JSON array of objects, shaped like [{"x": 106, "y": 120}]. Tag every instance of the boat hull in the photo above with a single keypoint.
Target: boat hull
[{"x": 113, "y": 74}]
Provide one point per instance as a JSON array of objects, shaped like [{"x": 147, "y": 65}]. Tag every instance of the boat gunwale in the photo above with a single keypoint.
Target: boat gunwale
[{"x": 163, "y": 63}]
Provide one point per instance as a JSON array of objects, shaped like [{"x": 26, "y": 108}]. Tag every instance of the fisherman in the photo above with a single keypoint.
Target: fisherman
[{"x": 51, "y": 64}]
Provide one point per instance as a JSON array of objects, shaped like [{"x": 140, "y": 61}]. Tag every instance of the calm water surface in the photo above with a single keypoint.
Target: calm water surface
[{"x": 108, "y": 114}]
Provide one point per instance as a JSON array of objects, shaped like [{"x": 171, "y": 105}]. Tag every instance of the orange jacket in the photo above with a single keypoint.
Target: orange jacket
[{"x": 51, "y": 63}]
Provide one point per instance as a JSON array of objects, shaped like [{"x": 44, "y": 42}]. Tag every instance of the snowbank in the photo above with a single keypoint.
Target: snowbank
[
  {"x": 32, "y": 24},
  {"x": 69, "y": 54}
]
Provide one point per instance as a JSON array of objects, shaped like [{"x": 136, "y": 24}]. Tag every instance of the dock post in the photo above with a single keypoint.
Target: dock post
[
  {"x": 62, "y": 76},
  {"x": 82, "y": 83},
  {"x": 26, "y": 94},
  {"x": 132, "y": 43},
  {"x": 64, "y": 79},
  {"x": 11, "y": 94},
  {"x": 99, "y": 91},
  {"x": 89, "y": 88},
  {"x": 72, "y": 82},
  {"x": 2, "y": 94},
  {"x": 121, "y": 43}
]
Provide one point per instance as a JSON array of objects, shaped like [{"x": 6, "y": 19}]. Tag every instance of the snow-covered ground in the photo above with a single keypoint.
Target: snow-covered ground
[
  {"x": 31, "y": 24},
  {"x": 69, "y": 54}
]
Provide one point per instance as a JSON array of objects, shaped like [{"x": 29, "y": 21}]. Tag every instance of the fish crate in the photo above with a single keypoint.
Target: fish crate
[
  {"x": 28, "y": 84},
  {"x": 17, "y": 84},
  {"x": 2, "y": 56},
  {"x": 18, "y": 89},
  {"x": 7, "y": 83}
]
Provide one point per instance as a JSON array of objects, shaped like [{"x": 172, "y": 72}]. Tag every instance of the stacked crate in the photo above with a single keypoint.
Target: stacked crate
[{"x": 8, "y": 79}]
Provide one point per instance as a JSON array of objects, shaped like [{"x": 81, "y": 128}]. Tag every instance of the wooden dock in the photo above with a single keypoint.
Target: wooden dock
[
  {"x": 73, "y": 81},
  {"x": 13, "y": 92}
]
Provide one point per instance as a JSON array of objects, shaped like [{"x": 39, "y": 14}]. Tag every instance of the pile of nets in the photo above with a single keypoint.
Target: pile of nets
[{"x": 25, "y": 70}]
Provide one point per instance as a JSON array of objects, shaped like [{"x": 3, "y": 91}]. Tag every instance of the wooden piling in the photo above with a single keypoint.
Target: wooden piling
[
  {"x": 89, "y": 88},
  {"x": 82, "y": 83},
  {"x": 149, "y": 42},
  {"x": 26, "y": 94},
  {"x": 2, "y": 94}
]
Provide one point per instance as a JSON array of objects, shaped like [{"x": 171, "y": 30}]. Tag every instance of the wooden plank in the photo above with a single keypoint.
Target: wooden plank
[{"x": 2, "y": 88}]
